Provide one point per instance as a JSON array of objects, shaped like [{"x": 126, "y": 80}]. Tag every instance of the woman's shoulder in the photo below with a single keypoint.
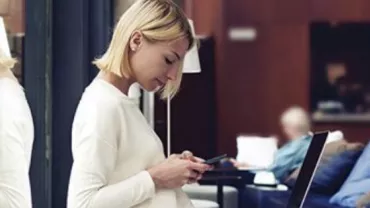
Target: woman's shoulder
[
  {"x": 100, "y": 114},
  {"x": 100, "y": 106},
  {"x": 103, "y": 93},
  {"x": 97, "y": 106},
  {"x": 13, "y": 107},
  {"x": 97, "y": 96}
]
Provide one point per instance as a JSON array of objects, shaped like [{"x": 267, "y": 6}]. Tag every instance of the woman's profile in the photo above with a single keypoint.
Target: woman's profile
[
  {"x": 16, "y": 134},
  {"x": 118, "y": 158}
]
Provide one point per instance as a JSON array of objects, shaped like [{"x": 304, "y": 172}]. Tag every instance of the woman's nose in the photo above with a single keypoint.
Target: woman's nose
[{"x": 172, "y": 73}]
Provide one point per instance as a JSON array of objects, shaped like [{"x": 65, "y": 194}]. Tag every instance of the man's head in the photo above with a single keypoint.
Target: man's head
[
  {"x": 334, "y": 71},
  {"x": 295, "y": 122}
]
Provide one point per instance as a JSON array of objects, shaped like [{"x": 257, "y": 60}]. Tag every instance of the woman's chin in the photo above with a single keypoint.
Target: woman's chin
[{"x": 154, "y": 88}]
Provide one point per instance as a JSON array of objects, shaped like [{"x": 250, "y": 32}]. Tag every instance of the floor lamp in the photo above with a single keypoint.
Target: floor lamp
[{"x": 191, "y": 65}]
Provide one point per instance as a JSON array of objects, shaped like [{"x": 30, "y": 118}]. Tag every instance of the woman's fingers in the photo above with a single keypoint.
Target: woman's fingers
[{"x": 186, "y": 154}]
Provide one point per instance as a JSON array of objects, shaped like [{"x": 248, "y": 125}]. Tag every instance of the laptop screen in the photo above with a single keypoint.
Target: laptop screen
[{"x": 308, "y": 169}]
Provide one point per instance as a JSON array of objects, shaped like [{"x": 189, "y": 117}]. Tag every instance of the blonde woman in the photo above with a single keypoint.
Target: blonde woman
[
  {"x": 16, "y": 134},
  {"x": 118, "y": 159}
]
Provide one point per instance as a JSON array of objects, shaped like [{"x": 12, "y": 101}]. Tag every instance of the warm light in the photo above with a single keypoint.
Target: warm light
[
  {"x": 191, "y": 60},
  {"x": 4, "y": 45}
]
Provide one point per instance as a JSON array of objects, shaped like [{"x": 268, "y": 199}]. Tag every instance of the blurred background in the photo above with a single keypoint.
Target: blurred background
[{"x": 257, "y": 59}]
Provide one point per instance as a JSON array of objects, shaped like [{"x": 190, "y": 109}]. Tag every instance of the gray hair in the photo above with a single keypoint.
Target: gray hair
[{"x": 297, "y": 117}]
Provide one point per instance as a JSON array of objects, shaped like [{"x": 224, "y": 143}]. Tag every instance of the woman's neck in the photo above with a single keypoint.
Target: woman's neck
[
  {"x": 7, "y": 74},
  {"x": 121, "y": 83}
]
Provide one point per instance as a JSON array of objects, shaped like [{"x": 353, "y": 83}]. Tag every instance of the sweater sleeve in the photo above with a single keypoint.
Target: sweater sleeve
[
  {"x": 14, "y": 179},
  {"x": 95, "y": 143}
]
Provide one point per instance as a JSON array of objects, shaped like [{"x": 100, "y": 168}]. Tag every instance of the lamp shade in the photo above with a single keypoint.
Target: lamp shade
[
  {"x": 4, "y": 45},
  {"x": 191, "y": 60}
]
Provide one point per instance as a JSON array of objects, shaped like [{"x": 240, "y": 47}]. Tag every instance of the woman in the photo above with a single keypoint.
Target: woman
[
  {"x": 16, "y": 134},
  {"x": 296, "y": 126},
  {"x": 118, "y": 159}
]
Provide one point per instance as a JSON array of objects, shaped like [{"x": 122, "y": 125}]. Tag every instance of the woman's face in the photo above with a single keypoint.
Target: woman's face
[{"x": 153, "y": 64}]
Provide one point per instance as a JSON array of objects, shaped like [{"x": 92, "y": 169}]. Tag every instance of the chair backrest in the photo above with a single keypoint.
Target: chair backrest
[{"x": 204, "y": 203}]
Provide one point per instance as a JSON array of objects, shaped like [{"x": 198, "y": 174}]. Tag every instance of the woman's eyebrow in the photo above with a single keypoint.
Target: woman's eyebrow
[{"x": 176, "y": 54}]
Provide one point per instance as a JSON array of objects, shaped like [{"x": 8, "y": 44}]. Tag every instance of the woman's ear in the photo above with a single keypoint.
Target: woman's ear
[{"x": 136, "y": 41}]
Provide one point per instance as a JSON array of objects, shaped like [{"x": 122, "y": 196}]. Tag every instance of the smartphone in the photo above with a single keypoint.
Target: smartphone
[{"x": 215, "y": 159}]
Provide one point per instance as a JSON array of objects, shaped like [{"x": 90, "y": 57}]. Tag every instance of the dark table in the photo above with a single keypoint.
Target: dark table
[{"x": 230, "y": 177}]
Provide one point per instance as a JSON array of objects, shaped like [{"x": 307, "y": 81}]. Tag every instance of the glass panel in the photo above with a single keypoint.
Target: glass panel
[{"x": 340, "y": 62}]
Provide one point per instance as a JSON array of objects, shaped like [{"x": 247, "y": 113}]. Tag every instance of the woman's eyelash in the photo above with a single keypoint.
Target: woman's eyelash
[{"x": 168, "y": 61}]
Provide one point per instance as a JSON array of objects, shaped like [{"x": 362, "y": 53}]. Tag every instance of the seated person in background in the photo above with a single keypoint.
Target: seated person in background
[{"x": 296, "y": 125}]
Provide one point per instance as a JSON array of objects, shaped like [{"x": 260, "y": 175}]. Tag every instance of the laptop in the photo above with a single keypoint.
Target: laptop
[{"x": 308, "y": 169}]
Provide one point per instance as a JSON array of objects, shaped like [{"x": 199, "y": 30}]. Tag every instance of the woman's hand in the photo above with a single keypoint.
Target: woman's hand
[
  {"x": 177, "y": 171},
  {"x": 187, "y": 155}
]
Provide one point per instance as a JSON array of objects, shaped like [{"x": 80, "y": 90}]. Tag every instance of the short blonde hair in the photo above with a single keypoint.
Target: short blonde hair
[
  {"x": 297, "y": 117},
  {"x": 157, "y": 20},
  {"x": 6, "y": 62}
]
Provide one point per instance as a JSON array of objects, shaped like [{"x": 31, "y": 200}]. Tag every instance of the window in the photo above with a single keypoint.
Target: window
[{"x": 340, "y": 68}]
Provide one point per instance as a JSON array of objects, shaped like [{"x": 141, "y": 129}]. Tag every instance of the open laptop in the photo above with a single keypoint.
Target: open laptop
[{"x": 308, "y": 169}]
